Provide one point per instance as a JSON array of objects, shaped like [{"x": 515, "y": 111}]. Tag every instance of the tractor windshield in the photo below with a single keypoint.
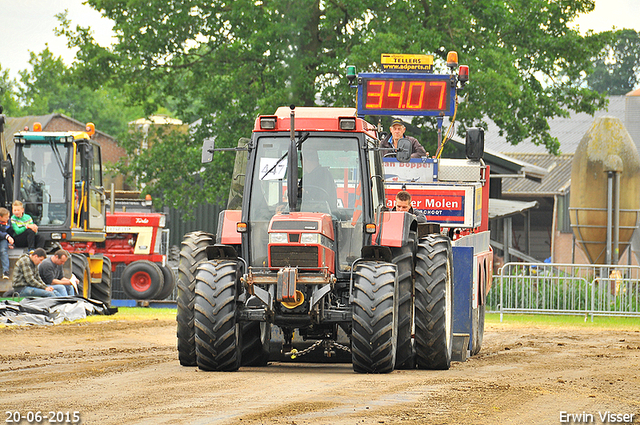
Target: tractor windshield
[
  {"x": 329, "y": 182},
  {"x": 42, "y": 182}
]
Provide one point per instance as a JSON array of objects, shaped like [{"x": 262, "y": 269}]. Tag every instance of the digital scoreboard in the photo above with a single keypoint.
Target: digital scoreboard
[{"x": 406, "y": 94}]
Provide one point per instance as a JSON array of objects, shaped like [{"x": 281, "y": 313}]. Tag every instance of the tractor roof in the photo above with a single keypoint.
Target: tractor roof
[{"x": 316, "y": 119}]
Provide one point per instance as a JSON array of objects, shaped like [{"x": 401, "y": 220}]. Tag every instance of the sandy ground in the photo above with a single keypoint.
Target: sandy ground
[{"x": 123, "y": 372}]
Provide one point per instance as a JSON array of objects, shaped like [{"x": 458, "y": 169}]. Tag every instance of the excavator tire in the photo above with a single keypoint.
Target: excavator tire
[
  {"x": 102, "y": 291},
  {"x": 80, "y": 268}
]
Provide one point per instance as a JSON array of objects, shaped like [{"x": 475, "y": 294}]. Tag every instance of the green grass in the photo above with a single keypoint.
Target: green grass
[
  {"x": 135, "y": 313},
  {"x": 599, "y": 322}
]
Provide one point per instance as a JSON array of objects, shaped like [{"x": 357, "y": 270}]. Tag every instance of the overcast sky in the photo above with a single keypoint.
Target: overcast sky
[{"x": 26, "y": 25}]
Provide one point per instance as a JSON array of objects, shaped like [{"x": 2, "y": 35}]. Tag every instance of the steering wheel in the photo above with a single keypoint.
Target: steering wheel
[{"x": 317, "y": 188}]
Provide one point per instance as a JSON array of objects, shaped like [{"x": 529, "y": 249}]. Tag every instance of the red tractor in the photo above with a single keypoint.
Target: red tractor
[
  {"x": 138, "y": 240},
  {"x": 315, "y": 252}
]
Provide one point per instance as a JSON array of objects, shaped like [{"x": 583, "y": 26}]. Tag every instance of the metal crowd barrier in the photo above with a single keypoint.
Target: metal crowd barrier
[{"x": 577, "y": 289}]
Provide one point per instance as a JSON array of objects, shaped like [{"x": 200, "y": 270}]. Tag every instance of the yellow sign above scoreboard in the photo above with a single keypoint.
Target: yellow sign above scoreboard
[{"x": 406, "y": 62}]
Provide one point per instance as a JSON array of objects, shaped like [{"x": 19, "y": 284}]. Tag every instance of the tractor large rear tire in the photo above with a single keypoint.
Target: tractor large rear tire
[
  {"x": 255, "y": 343},
  {"x": 218, "y": 334},
  {"x": 403, "y": 259},
  {"x": 374, "y": 323},
  {"x": 142, "y": 280},
  {"x": 80, "y": 269},
  {"x": 169, "y": 282},
  {"x": 192, "y": 253},
  {"x": 434, "y": 303},
  {"x": 102, "y": 291}
]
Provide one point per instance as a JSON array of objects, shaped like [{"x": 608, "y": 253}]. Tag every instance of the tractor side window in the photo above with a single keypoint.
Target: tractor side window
[
  {"x": 377, "y": 177},
  {"x": 96, "y": 167}
]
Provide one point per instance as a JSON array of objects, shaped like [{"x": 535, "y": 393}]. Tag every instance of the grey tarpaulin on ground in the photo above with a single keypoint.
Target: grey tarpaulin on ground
[{"x": 50, "y": 311}]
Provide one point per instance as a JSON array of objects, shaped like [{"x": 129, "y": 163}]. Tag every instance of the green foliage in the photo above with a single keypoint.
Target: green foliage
[
  {"x": 8, "y": 93},
  {"x": 52, "y": 87},
  {"x": 226, "y": 62},
  {"x": 161, "y": 160},
  {"x": 617, "y": 67}
]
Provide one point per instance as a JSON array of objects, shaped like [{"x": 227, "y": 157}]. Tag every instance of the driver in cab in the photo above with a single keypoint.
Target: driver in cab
[
  {"x": 317, "y": 182},
  {"x": 397, "y": 132}
]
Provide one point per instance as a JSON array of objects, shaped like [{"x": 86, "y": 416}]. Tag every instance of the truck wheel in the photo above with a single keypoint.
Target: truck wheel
[
  {"x": 434, "y": 303},
  {"x": 256, "y": 338},
  {"x": 192, "y": 253},
  {"x": 374, "y": 327},
  {"x": 218, "y": 335},
  {"x": 80, "y": 269},
  {"x": 102, "y": 291},
  {"x": 403, "y": 259},
  {"x": 169, "y": 283},
  {"x": 477, "y": 326},
  {"x": 142, "y": 280}
]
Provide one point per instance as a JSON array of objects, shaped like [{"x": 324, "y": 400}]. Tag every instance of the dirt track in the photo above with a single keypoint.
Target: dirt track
[{"x": 128, "y": 373}]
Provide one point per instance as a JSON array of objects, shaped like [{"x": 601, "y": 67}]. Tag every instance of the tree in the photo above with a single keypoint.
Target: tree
[
  {"x": 225, "y": 62},
  {"x": 8, "y": 93},
  {"x": 154, "y": 169},
  {"x": 53, "y": 87},
  {"x": 617, "y": 67}
]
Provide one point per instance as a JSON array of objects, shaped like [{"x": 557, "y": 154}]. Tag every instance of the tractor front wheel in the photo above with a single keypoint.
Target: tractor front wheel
[
  {"x": 218, "y": 334},
  {"x": 374, "y": 318}
]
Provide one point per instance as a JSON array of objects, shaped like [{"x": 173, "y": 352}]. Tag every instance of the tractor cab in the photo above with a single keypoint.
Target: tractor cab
[{"x": 306, "y": 210}]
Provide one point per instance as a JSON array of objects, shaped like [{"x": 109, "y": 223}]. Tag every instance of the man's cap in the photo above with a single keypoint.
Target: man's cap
[{"x": 397, "y": 121}]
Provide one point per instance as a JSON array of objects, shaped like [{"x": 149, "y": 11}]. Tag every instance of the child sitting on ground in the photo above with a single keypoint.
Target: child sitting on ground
[{"x": 6, "y": 241}]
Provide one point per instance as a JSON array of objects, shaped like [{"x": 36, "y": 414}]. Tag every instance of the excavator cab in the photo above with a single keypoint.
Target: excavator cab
[{"x": 58, "y": 178}]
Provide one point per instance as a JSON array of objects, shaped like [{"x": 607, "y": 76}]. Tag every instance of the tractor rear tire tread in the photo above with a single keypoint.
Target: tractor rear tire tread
[
  {"x": 433, "y": 303},
  {"x": 192, "y": 253},
  {"x": 403, "y": 259}
]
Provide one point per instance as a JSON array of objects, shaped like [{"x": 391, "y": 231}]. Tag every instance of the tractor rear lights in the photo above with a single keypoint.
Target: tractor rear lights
[
  {"x": 268, "y": 123},
  {"x": 370, "y": 228},
  {"x": 347, "y": 123},
  {"x": 241, "y": 227}
]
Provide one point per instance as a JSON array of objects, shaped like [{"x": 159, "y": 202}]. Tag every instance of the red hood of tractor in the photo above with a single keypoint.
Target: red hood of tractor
[{"x": 134, "y": 219}]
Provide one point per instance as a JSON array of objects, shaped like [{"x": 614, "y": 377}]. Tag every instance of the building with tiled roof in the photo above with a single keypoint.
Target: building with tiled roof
[{"x": 549, "y": 233}]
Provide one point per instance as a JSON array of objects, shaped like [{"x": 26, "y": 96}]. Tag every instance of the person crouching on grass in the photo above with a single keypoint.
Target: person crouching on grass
[{"x": 26, "y": 279}]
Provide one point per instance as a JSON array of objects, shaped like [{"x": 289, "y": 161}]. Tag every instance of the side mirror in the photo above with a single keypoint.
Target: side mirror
[
  {"x": 474, "y": 144},
  {"x": 404, "y": 150},
  {"x": 207, "y": 150}
]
